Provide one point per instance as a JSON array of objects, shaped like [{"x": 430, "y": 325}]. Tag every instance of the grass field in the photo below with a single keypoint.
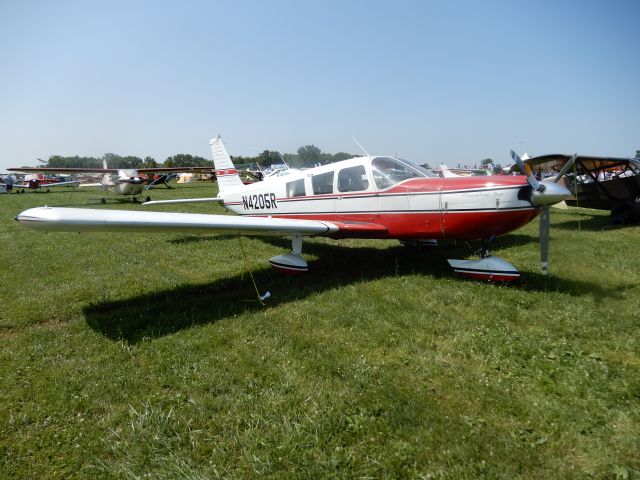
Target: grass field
[{"x": 148, "y": 356}]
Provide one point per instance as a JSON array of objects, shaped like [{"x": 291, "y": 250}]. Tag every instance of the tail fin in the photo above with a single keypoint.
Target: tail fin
[
  {"x": 226, "y": 173},
  {"x": 446, "y": 173}
]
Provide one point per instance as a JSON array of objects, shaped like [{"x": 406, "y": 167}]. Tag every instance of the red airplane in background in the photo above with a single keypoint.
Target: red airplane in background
[{"x": 41, "y": 181}]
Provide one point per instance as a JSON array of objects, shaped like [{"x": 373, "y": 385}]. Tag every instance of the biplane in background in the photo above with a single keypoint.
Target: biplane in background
[
  {"x": 602, "y": 183},
  {"x": 120, "y": 181},
  {"x": 376, "y": 197}
]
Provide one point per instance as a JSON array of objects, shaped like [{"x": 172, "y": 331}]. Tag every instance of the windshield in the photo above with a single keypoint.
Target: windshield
[{"x": 388, "y": 171}]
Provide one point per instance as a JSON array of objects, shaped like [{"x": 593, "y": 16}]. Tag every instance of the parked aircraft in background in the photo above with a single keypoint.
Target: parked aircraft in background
[
  {"x": 364, "y": 197},
  {"x": 157, "y": 180},
  {"x": 120, "y": 181},
  {"x": 603, "y": 183},
  {"x": 445, "y": 171},
  {"x": 40, "y": 182}
]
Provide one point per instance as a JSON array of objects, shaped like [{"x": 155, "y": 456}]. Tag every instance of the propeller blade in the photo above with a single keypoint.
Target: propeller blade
[
  {"x": 565, "y": 168},
  {"x": 544, "y": 239},
  {"x": 531, "y": 179}
]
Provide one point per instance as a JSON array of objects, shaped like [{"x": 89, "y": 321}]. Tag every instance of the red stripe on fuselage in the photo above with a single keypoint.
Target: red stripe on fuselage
[{"x": 433, "y": 225}]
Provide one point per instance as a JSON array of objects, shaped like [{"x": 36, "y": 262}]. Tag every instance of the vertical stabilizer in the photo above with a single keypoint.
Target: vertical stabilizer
[
  {"x": 446, "y": 173},
  {"x": 226, "y": 173}
]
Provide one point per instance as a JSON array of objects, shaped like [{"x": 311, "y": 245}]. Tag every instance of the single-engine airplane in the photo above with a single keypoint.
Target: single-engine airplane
[
  {"x": 120, "y": 181},
  {"x": 364, "y": 197},
  {"x": 39, "y": 182}
]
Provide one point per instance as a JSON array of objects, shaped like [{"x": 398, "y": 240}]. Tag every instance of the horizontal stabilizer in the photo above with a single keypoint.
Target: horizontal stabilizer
[{"x": 184, "y": 200}]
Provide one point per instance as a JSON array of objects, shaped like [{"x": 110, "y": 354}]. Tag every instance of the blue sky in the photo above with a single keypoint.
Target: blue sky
[{"x": 450, "y": 81}]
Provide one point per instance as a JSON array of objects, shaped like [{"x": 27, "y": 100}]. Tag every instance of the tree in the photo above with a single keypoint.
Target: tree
[
  {"x": 187, "y": 160},
  {"x": 269, "y": 157},
  {"x": 309, "y": 155},
  {"x": 637, "y": 154},
  {"x": 117, "y": 161},
  {"x": 341, "y": 156},
  {"x": 58, "y": 161},
  {"x": 486, "y": 162},
  {"x": 149, "y": 162}
]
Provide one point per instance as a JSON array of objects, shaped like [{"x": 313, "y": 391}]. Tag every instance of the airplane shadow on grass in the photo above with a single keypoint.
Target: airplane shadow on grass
[
  {"x": 591, "y": 223},
  {"x": 167, "y": 311}
]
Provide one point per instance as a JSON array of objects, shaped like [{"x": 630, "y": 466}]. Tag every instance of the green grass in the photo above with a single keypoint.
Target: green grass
[{"x": 148, "y": 356}]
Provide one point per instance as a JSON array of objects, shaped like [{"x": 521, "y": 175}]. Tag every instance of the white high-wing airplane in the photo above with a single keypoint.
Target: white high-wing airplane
[
  {"x": 365, "y": 197},
  {"x": 120, "y": 181}
]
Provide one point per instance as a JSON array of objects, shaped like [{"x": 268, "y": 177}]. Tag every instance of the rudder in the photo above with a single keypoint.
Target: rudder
[{"x": 226, "y": 173}]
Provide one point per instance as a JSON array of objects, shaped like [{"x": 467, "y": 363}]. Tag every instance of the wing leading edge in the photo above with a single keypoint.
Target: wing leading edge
[{"x": 53, "y": 219}]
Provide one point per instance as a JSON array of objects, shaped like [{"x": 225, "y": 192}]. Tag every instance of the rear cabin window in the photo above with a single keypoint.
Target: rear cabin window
[
  {"x": 323, "y": 183},
  {"x": 353, "y": 179},
  {"x": 296, "y": 188}
]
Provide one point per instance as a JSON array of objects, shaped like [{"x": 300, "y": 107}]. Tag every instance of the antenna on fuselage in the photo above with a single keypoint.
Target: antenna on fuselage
[
  {"x": 283, "y": 160},
  {"x": 361, "y": 147}
]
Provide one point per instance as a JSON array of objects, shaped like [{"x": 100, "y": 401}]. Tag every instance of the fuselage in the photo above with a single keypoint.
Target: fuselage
[
  {"x": 124, "y": 182},
  {"x": 394, "y": 194}
]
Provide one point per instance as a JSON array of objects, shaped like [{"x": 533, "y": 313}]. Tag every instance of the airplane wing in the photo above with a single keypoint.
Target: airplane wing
[
  {"x": 57, "y": 219},
  {"x": 54, "y": 219},
  {"x": 583, "y": 163},
  {"x": 47, "y": 185},
  {"x": 60, "y": 184},
  {"x": 175, "y": 169},
  {"x": 63, "y": 170},
  {"x": 185, "y": 200}
]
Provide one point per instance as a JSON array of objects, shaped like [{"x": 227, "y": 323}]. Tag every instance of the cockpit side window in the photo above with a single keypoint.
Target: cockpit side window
[
  {"x": 322, "y": 183},
  {"x": 390, "y": 171},
  {"x": 352, "y": 179}
]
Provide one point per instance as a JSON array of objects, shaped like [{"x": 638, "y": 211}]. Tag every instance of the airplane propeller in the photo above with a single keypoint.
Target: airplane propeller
[
  {"x": 545, "y": 193},
  {"x": 526, "y": 170},
  {"x": 565, "y": 168}
]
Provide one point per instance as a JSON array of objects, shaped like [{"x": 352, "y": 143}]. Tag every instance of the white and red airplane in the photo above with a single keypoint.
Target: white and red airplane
[
  {"x": 365, "y": 197},
  {"x": 40, "y": 182}
]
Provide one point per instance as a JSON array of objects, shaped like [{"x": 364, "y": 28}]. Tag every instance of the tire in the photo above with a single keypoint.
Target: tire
[{"x": 621, "y": 214}]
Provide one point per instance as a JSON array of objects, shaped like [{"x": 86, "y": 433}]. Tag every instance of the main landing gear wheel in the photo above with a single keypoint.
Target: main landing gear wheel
[
  {"x": 148, "y": 199},
  {"x": 489, "y": 268},
  {"x": 291, "y": 263}
]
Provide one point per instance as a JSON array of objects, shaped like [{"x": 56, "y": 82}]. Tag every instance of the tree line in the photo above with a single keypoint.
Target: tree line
[{"x": 306, "y": 156}]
